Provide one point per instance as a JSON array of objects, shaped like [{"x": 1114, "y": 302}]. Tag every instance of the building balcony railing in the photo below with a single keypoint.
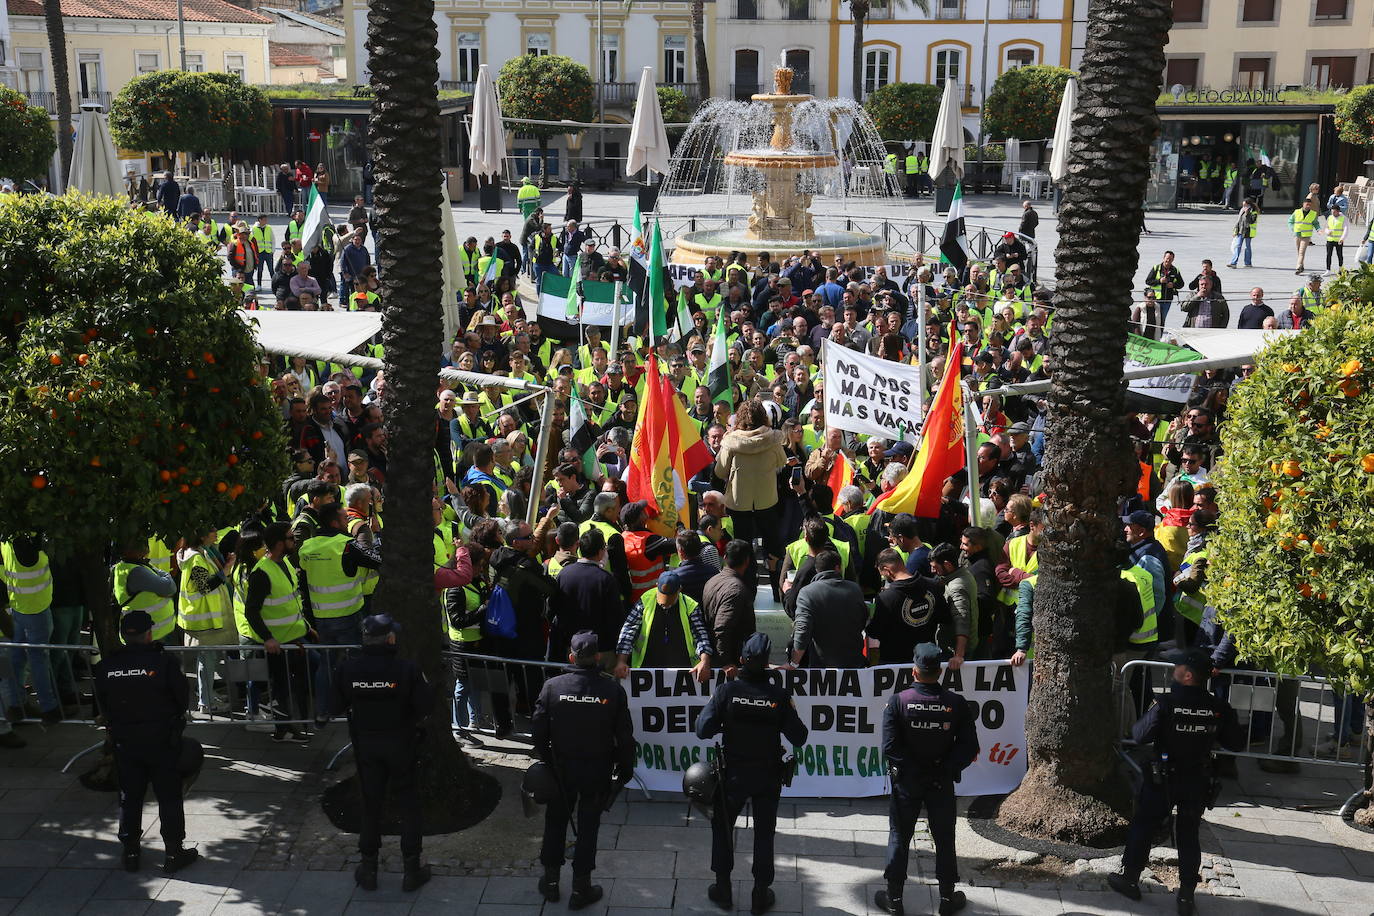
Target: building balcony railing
[
  {"x": 460, "y": 85},
  {"x": 47, "y": 99},
  {"x": 1021, "y": 9},
  {"x": 625, "y": 93},
  {"x": 947, "y": 10}
]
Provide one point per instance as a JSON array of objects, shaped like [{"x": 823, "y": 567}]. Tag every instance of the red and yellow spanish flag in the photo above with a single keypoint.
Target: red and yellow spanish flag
[
  {"x": 841, "y": 476},
  {"x": 942, "y": 448},
  {"x": 665, "y": 453}
]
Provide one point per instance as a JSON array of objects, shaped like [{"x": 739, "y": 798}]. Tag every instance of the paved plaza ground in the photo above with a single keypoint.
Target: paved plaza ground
[{"x": 1273, "y": 847}]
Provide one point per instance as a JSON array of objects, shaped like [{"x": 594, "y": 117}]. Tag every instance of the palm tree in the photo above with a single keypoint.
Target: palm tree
[
  {"x": 405, "y": 147},
  {"x": 699, "y": 48},
  {"x": 61, "y": 84},
  {"x": 860, "y": 9},
  {"x": 1069, "y": 792}
]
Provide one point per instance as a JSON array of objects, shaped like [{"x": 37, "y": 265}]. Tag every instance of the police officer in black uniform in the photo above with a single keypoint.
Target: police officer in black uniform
[
  {"x": 581, "y": 729},
  {"x": 386, "y": 697},
  {"x": 142, "y": 694},
  {"x": 929, "y": 738},
  {"x": 752, "y": 715},
  {"x": 1182, "y": 725}
]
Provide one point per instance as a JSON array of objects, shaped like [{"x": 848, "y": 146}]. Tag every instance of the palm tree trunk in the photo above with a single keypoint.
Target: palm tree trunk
[
  {"x": 61, "y": 84},
  {"x": 859, "y": 10},
  {"x": 699, "y": 48},
  {"x": 1070, "y": 792},
  {"x": 405, "y": 147}
]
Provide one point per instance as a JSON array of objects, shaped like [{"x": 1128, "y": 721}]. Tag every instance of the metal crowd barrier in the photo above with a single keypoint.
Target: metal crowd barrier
[{"x": 1310, "y": 713}]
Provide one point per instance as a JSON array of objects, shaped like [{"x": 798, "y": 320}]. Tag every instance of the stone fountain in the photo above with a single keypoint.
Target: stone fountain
[{"x": 816, "y": 150}]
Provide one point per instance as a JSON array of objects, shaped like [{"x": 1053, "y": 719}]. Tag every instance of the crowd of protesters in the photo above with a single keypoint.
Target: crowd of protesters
[{"x": 860, "y": 587}]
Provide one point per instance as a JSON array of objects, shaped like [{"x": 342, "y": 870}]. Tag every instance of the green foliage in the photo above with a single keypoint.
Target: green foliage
[
  {"x": 170, "y": 111},
  {"x": 674, "y": 105},
  {"x": 27, "y": 141},
  {"x": 545, "y": 88},
  {"x": 1290, "y": 564},
  {"x": 904, "y": 111},
  {"x": 1355, "y": 116},
  {"x": 132, "y": 401},
  {"x": 1024, "y": 102}
]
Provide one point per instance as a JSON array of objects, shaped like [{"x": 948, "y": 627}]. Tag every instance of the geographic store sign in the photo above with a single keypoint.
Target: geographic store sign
[
  {"x": 1243, "y": 95},
  {"x": 843, "y": 708}
]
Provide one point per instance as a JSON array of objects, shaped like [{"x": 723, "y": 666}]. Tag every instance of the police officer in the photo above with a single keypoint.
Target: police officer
[
  {"x": 142, "y": 694},
  {"x": 929, "y": 738},
  {"x": 752, "y": 715},
  {"x": 386, "y": 697},
  {"x": 581, "y": 729},
  {"x": 1182, "y": 726}
]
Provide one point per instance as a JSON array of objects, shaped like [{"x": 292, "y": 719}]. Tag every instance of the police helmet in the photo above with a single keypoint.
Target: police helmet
[
  {"x": 190, "y": 759},
  {"x": 773, "y": 411},
  {"x": 538, "y": 787},
  {"x": 700, "y": 784}
]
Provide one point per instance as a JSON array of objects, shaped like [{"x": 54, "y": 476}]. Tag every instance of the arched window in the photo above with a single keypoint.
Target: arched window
[
  {"x": 1020, "y": 57},
  {"x": 877, "y": 69},
  {"x": 949, "y": 65}
]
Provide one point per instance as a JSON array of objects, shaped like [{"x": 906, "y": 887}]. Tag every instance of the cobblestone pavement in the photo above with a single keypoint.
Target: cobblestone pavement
[{"x": 1272, "y": 847}]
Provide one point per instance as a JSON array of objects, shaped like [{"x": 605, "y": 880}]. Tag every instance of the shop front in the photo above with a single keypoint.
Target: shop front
[{"x": 1199, "y": 142}]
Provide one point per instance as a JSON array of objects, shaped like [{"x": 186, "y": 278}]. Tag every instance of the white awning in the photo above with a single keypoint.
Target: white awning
[
  {"x": 317, "y": 335},
  {"x": 1225, "y": 343}
]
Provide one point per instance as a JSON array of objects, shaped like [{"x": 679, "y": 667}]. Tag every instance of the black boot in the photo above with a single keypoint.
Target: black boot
[
  {"x": 415, "y": 874},
  {"x": 720, "y": 893},
  {"x": 548, "y": 885},
  {"x": 1186, "y": 906},
  {"x": 1125, "y": 885},
  {"x": 177, "y": 859},
  {"x": 584, "y": 892},
  {"x": 761, "y": 900},
  {"x": 890, "y": 900},
  {"x": 132, "y": 858},
  {"x": 951, "y": 901},
  {"x": 366, "y": 873}
]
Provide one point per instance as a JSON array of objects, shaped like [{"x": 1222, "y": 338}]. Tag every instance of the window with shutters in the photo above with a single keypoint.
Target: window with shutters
[
  {"x": 746, "y": 74},
  {"x": 1332, "y": 9},
  {"x": 147, "y": 62},
  {"x": 1182, "y": 71},
  {"x": 1188, "y": 10},
  {"x": 1253, "y": 72},
  {"x": 234, "y": 63},
  {"x": 195, "y": 61},
  {"x": 33, "y": 76},
  {"x": 877, "y": 69},
  {"x": 1332, "y": 72},
  {"x": 1257, "y": 10}
]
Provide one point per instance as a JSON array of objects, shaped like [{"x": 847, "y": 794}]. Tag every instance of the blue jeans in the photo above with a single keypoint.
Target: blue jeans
[
  {"x": 1238, "y": 244},
  {"x": 467, "y": 701},
  {"x": 31, "y": 628},
  {"x": 567, "y": 266},
  {"x": 334, "y": 631},
  {"x": 1367, "y": 252},
  {"x": 1164, "y": 310}
]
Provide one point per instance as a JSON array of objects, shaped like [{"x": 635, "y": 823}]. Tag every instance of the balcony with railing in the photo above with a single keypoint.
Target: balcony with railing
[
  {"x": 47, "y": 99},
  {"x": 949, "y": 9},
  {"x": 460, "y": 85},
  {"x": 963, "y": 93},
  {"x": 1021, "y": 9},
  {"x": 625, "y": 93}
]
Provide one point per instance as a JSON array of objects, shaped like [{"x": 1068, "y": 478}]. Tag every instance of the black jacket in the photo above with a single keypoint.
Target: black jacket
[
  {"x": 142, "y": 693},
  {"x": 589, "y": 599},
  {"x": 928, "y": 732},
  {"x": 583, "y": 716},
  {"x": 386, "y": 696},
  {"x": 753, "y": 715}
]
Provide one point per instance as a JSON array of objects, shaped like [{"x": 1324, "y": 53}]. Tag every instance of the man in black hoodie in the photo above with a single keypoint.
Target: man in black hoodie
[{"x": 907, "y": 611}]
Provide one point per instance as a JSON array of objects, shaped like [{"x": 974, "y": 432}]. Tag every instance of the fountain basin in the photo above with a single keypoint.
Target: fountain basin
[
  {"x": 781, "y": 159},
  {"x": 864, "y": 249}
]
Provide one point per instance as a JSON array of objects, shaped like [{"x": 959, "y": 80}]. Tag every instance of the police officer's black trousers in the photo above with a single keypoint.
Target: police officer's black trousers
[
  {"x": 1152, "y": 805},
  {"x": 144, "y": 761},
  {"x": 908, "y": 797},
  {"x": 382, "y": 761},
  {"x": 764, "y": 799},
  {"x": 584, "y": 786}
]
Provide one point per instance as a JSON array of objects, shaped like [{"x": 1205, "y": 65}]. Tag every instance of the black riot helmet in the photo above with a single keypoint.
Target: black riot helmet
[
  {"x": 538, "y": 787},
  {"x": 701, "y": 784}
]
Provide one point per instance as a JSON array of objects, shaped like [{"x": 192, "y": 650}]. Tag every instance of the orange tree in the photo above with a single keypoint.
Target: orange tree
[
  {"x": 545, "y": 88},
  {"x": 1024, "y": 102},
  {"x": 903, "y": 112},
  {"x": 26, "y": 138},
  {"x": 1290, "y": 564},
  {"x": 133, "y": 403},
  {"x": 1355, "y": 116}
]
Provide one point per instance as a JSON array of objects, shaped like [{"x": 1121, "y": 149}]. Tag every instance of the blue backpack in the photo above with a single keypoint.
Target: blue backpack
[{"x": 500, "y": 618}]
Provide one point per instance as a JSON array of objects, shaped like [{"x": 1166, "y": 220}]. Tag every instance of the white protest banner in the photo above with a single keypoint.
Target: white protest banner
[
  {"x": 867, "y": 394},
  {"x": 843, "y": 708}
]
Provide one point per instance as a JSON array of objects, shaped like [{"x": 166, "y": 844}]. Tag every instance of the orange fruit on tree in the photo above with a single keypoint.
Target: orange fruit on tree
[
  {"x": 164, "y": 476},
  {"x": 96, "y": 383},
  {"x": 184, "y": 488},
  {"x": 1367, "y": 463},
  {"x": 232, "y": 460},
  {"x": 191, "y": 374},
  {"x": 1305, "y": 590},
  {"x": 1351, "y": 367},
  {"x": 221, "y": 487},
  {"x": 38, "y": 481},
  {"x": 257, "y": 434},
  {"x": 1271, "y": 522},
  {"x": 83, "y": 359},
  {"x": 209, "y": 357},
  {"x": 1351, "y": 388},
  {"x": 1292, "y": 468},
  {"x": 1318, "y": 548},
  {"x": 95, "y": 461},
  {"x": 1276, "y": 467},
  {"x": 55, "y": 359},
  {"x": 74, "y": 395}
]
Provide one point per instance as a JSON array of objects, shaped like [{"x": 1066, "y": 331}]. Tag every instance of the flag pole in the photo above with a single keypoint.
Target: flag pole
[
  {"x": 615, "y": 319},
  {"x": 921, "y": 347},
  {"x": 541, "y": 453},
  {"x": 971, "y": 459}
]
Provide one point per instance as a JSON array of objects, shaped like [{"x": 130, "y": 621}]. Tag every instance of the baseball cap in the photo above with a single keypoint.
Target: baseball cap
[
  {"x": 1140, "y": 517},
  {"x": 584, "y": 646},
  {"x": 1008, "y": 235},
  {"x": 632, "y": 511},
  {"x": 927, "y": 657},
  {"x": 697, "y": 348},
  {"x": 900, "y": 450},
  {"x": 380, "y": 625},
  {"x": 135, "y": 623},
  {"x": 615, "y": 369},
  {"x": 1197, "y": 659},
  {"x": 757, "y": 646},
  {"x": 669, "y": 583},
  {"x": 1020, "y": 429}
]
